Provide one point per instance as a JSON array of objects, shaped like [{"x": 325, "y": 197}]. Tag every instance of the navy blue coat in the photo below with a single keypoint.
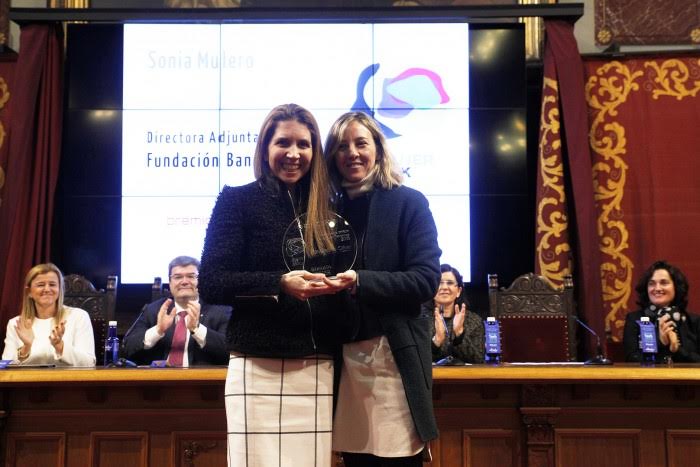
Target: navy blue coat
[{"x": 401, "y": 261}]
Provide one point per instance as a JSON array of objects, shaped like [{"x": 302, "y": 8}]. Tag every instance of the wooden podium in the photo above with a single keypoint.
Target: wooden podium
[
  {"x": 510, "y": 415},
  {"x": 121, "y": 417}
]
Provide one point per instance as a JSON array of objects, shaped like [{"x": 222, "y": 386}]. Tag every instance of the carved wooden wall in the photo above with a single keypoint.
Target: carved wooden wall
[
  {"x": 505, "y": 416},
  {"x": 647, "y": 22}
]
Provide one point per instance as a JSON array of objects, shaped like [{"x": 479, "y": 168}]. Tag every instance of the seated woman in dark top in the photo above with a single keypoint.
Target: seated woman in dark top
[
  {"x": 458, "y": 334},
  {"x": 662, "y": 293}
]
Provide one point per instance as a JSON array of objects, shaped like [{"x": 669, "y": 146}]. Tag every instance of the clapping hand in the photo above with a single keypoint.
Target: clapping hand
[
  {"x": 440, "y": 330},
  {"x": 24, "y": 331},
  {"x": 192, "y": 319},
  {"x": 667, "y": 333},
  {"x": 56, "y": 337},
  {"x": 458, "y": 321},
  {"x": 165, "y": 319}
]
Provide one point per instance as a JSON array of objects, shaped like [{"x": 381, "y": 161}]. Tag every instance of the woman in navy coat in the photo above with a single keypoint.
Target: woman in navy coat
[{"x": 384, "y": 408}]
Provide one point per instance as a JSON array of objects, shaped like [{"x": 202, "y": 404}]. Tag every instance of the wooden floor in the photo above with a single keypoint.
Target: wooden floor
[{"x": 511, "y": 415}]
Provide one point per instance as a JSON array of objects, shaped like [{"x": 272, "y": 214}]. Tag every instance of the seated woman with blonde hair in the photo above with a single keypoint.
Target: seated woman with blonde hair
[{"x": 46, "y": 331}]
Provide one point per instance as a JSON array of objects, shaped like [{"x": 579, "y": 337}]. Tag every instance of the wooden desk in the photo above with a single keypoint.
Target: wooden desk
[
  {"x": 511, "y": 415},
  {"x": 119, "y": 417},
  {"x": 568, "y": 416}
]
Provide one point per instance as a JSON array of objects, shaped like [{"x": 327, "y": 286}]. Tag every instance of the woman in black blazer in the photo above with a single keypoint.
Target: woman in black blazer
[
  {"x": 279, "y": 386},
  {"x": 662, "y": 296},
  {"x": 384, "y": 407}
]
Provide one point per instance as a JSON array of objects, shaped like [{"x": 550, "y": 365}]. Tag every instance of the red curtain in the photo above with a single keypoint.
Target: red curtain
[
  {"x": 552, "y": 245},
  {"x": 624, "y": 133},
  {"x": 565, "y": 155},
  {"x": 7, "y": 73},
  {"x": 31, "y": 162},
  {"x": 644, "y": 114}
]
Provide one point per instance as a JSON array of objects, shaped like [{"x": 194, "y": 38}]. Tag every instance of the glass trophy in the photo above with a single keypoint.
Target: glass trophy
[{"x": 329, "y": 263}]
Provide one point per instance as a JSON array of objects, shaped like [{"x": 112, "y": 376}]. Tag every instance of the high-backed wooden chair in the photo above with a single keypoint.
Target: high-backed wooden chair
[
  {"x": 537, "y": 320},
  {"x": 159, "y": 289},
  {"x": 100, "y": 305}
]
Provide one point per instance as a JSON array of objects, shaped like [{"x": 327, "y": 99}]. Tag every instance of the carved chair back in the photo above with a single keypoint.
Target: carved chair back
[
  {"x": 537, "y": 319},
  {"x": 100, "y": 305},
  {"x": 159, "y": 289}
]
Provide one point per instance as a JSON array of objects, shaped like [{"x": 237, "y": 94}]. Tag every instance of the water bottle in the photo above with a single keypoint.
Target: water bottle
[
  {"x": 647, "y": 341},
  {"x": 492, "y": 337},
  {"x": 111, "y": 345}
]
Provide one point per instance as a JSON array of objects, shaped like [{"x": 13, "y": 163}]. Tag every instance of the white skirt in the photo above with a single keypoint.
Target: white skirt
[
  {"x": 279, "y": 411},
  {"x": 372, "y": 415}
]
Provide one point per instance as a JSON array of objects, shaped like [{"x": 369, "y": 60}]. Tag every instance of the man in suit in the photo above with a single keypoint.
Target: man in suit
[{"x": 180, "y": 329}]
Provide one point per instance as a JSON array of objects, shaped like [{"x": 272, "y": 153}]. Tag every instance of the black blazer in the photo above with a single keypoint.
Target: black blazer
[
  {"x": 214, "y": 317},
  {"x": 689, "y": 331},
  {"x": 242, "y": 256}
]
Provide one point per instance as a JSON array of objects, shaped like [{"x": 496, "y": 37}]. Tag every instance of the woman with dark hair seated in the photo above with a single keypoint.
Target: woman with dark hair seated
[
  {"x": 458, "y": 334},
  {"x": 662, "y": 294}
]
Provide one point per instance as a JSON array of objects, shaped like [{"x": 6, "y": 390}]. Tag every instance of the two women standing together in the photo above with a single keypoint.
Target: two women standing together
[{"x": 279, "y": 388}]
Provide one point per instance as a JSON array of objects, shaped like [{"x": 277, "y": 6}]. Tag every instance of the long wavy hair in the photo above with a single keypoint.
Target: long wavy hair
[
  {"x": 28, "y": 306},
  {"x": 315, "y": 184},
  {"x": 385, "y": 171},
  {"x": 680, "y": 284}
]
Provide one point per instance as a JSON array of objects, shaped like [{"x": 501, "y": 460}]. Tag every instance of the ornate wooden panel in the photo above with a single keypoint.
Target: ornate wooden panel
[
  {"x": 485, "y": 448},
  {"x": 683, "y": 448},
  {"x": 597, "y": 447},
  {"x": 536, "y": 319},
  {"x": 505, "y": 416},
  {"x": 447, "y": 450},
  {"x": 118, "y": 449},
  {"x": 644, "y": 22},
  {"x": 199, "y": 448},
  {"x": 99, "y": 304},
  {"x": 33, "y": 449}
]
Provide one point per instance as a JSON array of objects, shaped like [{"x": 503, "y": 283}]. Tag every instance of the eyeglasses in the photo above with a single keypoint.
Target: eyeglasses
[
  {"x": 448, "y": 283},
  {"x": 181, "y": 277}
]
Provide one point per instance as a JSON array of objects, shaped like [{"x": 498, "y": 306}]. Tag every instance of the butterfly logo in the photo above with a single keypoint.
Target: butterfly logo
[{"x": 413, "y": 88}]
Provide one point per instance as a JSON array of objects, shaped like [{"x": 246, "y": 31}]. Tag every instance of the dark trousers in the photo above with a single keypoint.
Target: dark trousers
[{"x": 352, "y": 459}]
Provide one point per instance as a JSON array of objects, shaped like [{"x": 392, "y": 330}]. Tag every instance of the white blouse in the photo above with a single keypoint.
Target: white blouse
[{"x": 78, "y": 341}]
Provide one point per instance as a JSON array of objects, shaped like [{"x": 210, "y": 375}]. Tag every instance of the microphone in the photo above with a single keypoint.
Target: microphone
[{"x": 600, "y": 358}]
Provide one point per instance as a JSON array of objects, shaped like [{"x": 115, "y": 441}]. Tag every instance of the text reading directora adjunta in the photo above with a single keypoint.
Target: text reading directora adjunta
[{"x": 224, "y": 137}]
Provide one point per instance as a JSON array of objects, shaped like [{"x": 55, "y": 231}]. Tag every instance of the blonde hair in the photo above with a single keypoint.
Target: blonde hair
[
  {"x": 28, "y": 305},
  {"x": 386, "y": 172},
  {"x": 318, "y": 235}
]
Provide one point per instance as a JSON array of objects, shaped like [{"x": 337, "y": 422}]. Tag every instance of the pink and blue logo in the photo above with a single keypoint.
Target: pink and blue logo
[{"x": 413, "y": 88}]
